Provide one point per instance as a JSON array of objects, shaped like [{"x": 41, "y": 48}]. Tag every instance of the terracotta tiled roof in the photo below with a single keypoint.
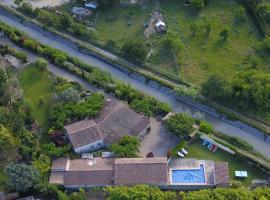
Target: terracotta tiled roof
[
  {"x": 222, "y": 176},
  {"x": 141, "y": 171}
]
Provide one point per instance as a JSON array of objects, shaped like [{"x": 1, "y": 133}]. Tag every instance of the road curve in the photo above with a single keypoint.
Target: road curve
[{"x": 260, "y": 145}]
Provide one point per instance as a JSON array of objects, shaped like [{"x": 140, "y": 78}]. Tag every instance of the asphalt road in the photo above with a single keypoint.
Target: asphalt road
[{"x": 260, "y": 145}]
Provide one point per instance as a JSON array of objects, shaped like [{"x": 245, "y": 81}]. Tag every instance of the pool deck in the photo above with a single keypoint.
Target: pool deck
[{"x": 191, "y": 164}]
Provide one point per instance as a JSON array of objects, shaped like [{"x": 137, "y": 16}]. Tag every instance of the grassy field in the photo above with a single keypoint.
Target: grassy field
[
  {"x": 37, "y": 86},
  {"x": 206, "y": 55},
  {"x": 122, "y": 23},
  {"x": 196, "y": 150}
]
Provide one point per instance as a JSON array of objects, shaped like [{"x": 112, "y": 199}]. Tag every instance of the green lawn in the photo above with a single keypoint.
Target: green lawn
[
  {"x": 203, "y": 55},
  {"x": 122, "y": 23},
  {"x": 196, "y": 150},
  {"x": 37, "y": 86}
]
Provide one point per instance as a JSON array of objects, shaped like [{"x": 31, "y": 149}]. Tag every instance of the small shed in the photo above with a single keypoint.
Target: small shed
[
  {"x": 160, "y": 27},
  {"x": 91, "y": 5},
  {"x": 2, "y": 196},
  {"x": 80, "y": 11}
]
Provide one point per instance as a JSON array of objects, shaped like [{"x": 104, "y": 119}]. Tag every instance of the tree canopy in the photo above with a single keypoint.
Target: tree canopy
[
  {"x": 138, "y": 192},
  {"x": 21, "y": 177},
  {"x": 127, "y": 147},
  {"x": 180, "y": 124},
  {"x": 135, "y": 50}
]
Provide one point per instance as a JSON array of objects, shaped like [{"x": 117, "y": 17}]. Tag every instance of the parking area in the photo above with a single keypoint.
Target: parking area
[{"x": 158, "y": 141}]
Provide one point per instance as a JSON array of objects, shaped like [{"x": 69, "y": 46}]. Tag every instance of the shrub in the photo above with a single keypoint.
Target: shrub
[
  {"x": 41, "y": 64},
  {"x": 206, "y": 127},
  {"x": 135, "y": 51},
  {"x": 21, "y": 177},
  {"x": 127, "y": 147},
  {"x": 180, "y": 124}
]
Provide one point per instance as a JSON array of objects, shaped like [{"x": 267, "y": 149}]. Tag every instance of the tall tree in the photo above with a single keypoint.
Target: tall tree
[
  {"x": 21, "y": 177},
  {"x": 180, "y": 124}
]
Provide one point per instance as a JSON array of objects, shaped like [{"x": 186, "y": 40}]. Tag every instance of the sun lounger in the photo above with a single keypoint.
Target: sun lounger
[
  {"x": 204, "y": 142},
  {"x": 184, "y": 151},
  {"x": 210, "y": 145},
  {"x": 180, "y": 154},
  {"x": 241, "y": 174},
  {"x": 215, "y": 149},
  {"x": 211, "y": 149}
]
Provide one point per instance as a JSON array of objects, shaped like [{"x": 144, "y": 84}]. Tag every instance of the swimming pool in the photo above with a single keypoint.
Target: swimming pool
[{"x": 186, "y": 176}]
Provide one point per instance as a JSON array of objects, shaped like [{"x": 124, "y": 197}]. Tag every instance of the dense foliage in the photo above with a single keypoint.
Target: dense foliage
[
  {"x": 180, "y": 124},
  {"x": 89, "y": 73},
  {"x": 21, "y": 177},
  {"x": 63, "y": 112},
  {"x": 127, "y": 147},
  {"x": 143, "y": 192},
  {"x": 261, "y": 12},
  {"x": 7, "y": 140},
  {"x": 139, "y": 192},
  {"x": 135, "y": 50},
  {"x": 206, "y": 127},
  {"x": 248, "y": 90}
]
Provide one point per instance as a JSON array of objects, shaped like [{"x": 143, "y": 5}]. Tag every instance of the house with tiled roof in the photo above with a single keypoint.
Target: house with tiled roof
[
  {"x": 114, "y": 121},
  {"x": 177, "y": 174}
]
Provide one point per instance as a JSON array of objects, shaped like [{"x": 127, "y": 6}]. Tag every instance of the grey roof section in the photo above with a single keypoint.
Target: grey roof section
[
  {"x": 98, "y": 171},
  {"x": 57, "y": 177},
  {"x": 83, "y": 133},
  {"x": 222, "y": 176},
  {"x": 80, "y": 126},
  {"x": 113, "y": 122},
  {"x": 89, "y": 178},
  {"x": 122, "y": 121},
  {"x": 153, "y": 171},
  {"x": 60, "y": 164}
]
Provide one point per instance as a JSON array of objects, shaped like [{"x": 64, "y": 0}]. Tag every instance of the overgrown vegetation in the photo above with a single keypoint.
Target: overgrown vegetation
[
  {"x": 89, "y": 73},
  {"x": 64, "y": 112},
  {"x": 248, "y": 90},
  {"x": 127, "y": 147},
  {"x": 143, "y": 192}
]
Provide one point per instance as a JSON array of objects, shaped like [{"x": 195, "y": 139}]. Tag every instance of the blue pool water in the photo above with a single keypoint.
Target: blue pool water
[{"x": 188, "y": 175}]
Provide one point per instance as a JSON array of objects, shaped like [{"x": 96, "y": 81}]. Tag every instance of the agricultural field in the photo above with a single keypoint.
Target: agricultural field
[{"x": 196, "y": 150}]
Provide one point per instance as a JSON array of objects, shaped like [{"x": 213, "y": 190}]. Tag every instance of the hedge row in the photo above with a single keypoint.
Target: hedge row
[{"x": 90, "y": 73}]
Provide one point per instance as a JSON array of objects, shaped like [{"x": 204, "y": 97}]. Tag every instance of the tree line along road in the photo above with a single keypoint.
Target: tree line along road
[{"x": 259, "y": 144}]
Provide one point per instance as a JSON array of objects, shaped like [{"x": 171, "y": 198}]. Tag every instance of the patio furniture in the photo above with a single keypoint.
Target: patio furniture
[
  {"x": 210, "y": 145},
  {"x": 204, "y": 142},
  {"x": 215, "y": 149},
  {"x": 211, "y": 149},
  {"x": 184, "y": 151},
  {"x": 241, "y": 174},
  {"x": 180, "y": 154}
]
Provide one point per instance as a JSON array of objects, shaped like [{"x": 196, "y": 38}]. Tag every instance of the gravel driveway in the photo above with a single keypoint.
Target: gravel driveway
[{"x": 158, "y": 141}]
